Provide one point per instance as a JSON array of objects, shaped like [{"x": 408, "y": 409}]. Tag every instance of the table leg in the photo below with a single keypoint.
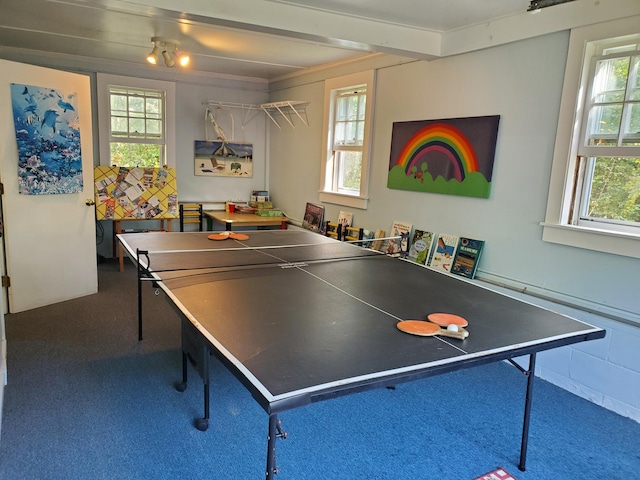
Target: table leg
[
  {"x": 271, "y": 446},
  {"x": 117, "y": 228},
  {"x": 527, "y": 412},
  {"x": 139, "y": 294}
]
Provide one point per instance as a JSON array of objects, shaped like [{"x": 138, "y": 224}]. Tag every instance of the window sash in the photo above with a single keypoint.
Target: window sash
[
  {"x": 136, "y": 116},
  {"x": 611, "y": 122}
]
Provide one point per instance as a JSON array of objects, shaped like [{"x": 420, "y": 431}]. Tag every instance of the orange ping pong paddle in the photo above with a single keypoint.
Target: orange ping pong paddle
[
  {"x": 225, "y": 235},
  {"x": 446, "y": 319},
  {"x": 428, "y": 329}
]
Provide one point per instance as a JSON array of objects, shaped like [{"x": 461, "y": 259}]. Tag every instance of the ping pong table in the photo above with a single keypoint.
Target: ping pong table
[{"x": 300, "y": 318}]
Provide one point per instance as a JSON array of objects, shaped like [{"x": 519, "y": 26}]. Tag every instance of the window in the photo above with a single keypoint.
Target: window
[
  {"x": 136, "y": 119},
  {"x": 345, "y": 170},
  {"x": 597, "y": 155},
  {"x": 608, "y": 194},
  {"x": 136, "y": 127}
]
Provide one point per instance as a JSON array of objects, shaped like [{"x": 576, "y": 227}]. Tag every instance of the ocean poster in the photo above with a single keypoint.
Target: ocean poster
[
  {"x": 48, "y": 137},
  {"x": 452, "y": 156}
]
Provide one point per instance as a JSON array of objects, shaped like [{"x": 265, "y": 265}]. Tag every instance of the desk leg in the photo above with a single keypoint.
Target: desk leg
[
  {"x": 227, "y": 226},
  {"x": 527, "y": 412},
  {"x": 117, "y": 227}
]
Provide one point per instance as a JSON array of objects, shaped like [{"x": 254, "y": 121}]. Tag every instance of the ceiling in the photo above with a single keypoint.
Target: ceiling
[{"x": 262, "y": 39}]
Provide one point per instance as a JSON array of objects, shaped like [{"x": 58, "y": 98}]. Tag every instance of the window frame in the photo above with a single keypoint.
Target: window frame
[
  {"x": 104, "y": 84},
  {"x": 329, "y": 191},
  {"x": 567, "y": 173}
]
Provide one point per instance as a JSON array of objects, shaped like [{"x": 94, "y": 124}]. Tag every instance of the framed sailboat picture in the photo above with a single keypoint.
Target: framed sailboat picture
[{"x": 221, "y": 158}]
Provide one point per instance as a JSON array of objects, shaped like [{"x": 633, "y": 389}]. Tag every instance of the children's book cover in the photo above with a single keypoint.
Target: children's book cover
[
  {"x": 345, "y": 219},
  {"x": 377, "y": 242},
  {"x": 467, "y": 257},
  {"x": 367, "y": 237},
  {"x": 444, "y": 252},
  {"x": 398, "y": 244},
  {"x": 313, "y": 216},
  {"x": 420, "y": 248}
]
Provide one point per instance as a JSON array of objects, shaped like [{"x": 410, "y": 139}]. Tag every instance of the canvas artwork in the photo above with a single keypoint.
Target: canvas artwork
[
  {"x": 48, "y": 137},
  {"x": 220, "y": 158},
  {"x": 453, "y": 156}
]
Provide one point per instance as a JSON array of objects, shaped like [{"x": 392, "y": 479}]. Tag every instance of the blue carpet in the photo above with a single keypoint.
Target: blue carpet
[{"x": 85, "y": 400}]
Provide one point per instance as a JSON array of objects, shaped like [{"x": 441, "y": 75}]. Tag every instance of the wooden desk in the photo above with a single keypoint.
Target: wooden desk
[
  {"x": 243, "y": 220},
  {"x": 117, "y": 228}
]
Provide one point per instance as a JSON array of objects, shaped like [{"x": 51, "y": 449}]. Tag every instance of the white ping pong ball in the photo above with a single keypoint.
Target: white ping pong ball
[{"x": 452, "y": 328}]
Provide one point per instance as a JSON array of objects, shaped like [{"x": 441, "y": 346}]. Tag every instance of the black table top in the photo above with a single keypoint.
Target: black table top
[{"x": 316, "y": 318}]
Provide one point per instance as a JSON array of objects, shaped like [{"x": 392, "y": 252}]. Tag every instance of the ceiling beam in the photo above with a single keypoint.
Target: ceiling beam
[{"x": 309, "y": 24}]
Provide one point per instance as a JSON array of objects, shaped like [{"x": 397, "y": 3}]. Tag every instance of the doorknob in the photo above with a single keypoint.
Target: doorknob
[{"x": 89, "y": 202}]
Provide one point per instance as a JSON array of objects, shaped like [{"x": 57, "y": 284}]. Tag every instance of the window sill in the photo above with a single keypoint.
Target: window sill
[
  {"x": 605, "y": 241},
  {"x": 345, "y": 200}
]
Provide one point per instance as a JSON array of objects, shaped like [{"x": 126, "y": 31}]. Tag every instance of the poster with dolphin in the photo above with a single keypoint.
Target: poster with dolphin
[{"x": 48, "y": 137}]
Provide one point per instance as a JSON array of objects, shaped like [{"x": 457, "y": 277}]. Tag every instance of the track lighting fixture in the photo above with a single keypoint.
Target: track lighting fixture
[{"x": 170, "y": 53}]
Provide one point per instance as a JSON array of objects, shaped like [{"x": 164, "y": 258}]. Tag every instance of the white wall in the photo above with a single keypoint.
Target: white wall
[
  {"x": 522, "y": 83},
  {"x": 190, "y": 126}
]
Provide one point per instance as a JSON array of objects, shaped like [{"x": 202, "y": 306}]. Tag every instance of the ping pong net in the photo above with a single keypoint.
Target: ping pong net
[{"x": 235, "y": 255}]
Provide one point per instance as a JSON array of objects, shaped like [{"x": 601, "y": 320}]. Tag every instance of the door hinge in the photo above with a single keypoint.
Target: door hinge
[
  {"x": 6, "y": 281},
  {"x": 1, "y": 188}
]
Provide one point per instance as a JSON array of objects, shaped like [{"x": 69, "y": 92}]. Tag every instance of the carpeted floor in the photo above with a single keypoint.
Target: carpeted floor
[{"x": 86, "y": 400}]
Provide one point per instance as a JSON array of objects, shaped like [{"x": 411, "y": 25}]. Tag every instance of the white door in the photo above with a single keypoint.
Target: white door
[{"x": 50, "y": 239}]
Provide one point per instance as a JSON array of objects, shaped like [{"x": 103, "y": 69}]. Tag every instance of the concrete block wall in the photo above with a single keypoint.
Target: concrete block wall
[{"x": 605, "y": 371}]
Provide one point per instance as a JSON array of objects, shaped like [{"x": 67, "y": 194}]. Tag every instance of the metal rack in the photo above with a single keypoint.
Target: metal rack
[{"x": 288, "y": 110}]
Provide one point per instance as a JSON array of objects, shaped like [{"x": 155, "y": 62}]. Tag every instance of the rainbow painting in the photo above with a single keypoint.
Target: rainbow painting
[{"x": 452, "y": 156}]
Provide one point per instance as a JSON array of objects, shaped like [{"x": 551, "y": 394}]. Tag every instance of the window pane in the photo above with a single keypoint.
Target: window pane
[
  {"x": 615, "y": 189},
  {"x": 342, "y": 109},
  {"x": 119, "y": 126},
  {"x": 631, "y": 133},
  {"x": 136, "y": 127},
  {"x": 362, "y": 104},
  {"x": 153, "y": 107},
  {"x": 604, "y": 125},
  {"x": 136, "y": 105},
  {"x": 610, "y": 80},
  {"x": 135, "y": 155},
  {"x": 348, "y": 168},
  {"x": 154, "y": 128},
  {"x": 118, "y": 104},
  {"x": 634, "y": 79}
]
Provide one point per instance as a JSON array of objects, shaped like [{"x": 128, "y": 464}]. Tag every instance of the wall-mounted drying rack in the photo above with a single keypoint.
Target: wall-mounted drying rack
[{"x": 288, "y": 110}]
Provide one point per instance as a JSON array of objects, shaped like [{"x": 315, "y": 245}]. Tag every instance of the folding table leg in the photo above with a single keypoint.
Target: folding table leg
[
  {"x": 271, "y": 447},
  {"x": 275, "y": 432},
  {"x": 203, "y": 423},
  {"x": 527, "y": 412},
  {"x": 182, "y": 386}
]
